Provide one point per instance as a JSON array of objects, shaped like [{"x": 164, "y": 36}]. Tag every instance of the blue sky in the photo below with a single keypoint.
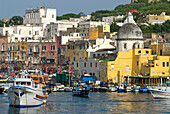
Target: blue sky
[{"x": 9, "y": 8}]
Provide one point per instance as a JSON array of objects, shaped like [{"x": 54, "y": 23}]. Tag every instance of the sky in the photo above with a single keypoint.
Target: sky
[{"x": 10, "y": 8}]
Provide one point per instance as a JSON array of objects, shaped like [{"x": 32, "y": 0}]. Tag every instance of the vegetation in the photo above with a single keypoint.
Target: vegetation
[
  {"x": 164, "y": 28},
  {"x": 114, "y": 27},
  {"x": 15, "y": 20},
  {"x": 70, "y": 15},
  {"x": 143, "y": 6}
]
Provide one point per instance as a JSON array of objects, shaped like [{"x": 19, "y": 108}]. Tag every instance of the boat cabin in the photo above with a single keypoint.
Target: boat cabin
[{"x": 23, "y": 82}]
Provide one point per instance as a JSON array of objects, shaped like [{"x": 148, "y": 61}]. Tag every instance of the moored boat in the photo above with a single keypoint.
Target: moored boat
[
  {"x": 24, "y": 93},
  {"x": 81, "y": 90},
  {"x": 121, "y": 88},
  {"x": 112, "y": 89},
  {"x": 144, "y": 90},
  {"x": 136, "y": 88}
]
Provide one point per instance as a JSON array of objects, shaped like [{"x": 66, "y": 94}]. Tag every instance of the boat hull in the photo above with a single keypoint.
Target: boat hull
[
  {"x": 81, "y": 93},
  {"x": 25, "y": 97},
  {"x": 161, "y": 95}
]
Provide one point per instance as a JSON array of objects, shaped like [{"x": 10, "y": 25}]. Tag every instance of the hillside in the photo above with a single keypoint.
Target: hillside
[{"x": 146, "y": 8}]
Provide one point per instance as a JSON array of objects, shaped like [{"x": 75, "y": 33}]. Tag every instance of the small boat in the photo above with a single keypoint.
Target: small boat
[
  {"x": 68, "y": 89},
  {"x": 2, "y": 90},
  {"x": 121, "y": 88},
  {"x": 136, "y": 88},
  {"x": 24, "y": 93},
  {"x": 112, "y": 89},
  {"x": 81, "y": 90},
  {"x": 128, "y": 89},
  {"x": 144, "y": 90}
]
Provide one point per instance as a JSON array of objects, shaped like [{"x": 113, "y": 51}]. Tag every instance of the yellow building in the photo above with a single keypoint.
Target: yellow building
[
  {"x": 21, "y": 51},
  {"x": 162, "y": 16},
  {"x": 76, "y": 50},
  {"x": 135, "y": 62},
  {"x": 99, "y": 32}
]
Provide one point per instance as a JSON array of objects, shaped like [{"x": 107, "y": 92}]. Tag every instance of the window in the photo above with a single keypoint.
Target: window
[
  {"x": 52, "y": 16},
  {"x": 80, "y": 46},
  {"x": 29, "y": 32},
  {"x": 163, "y": 64},
  {"x": 139, "y": 52},
  {"x": 95, "y": 64},
  {"x": 58, "y": 50},
  {"x": 104, "y": 28},
  {"x": 125, "y": 45},
  {"x": 127, "y": 68},
  {"x": 84, "y": 64},
  {"x": 43, "y": 48},
  {"x": 94, "y": 55},
  {"x": 18, "y": 47},
  {"x": 147, "y": 52},
  {"x": 77, "y": 64},
  {"x": 160, "y": 52},
  {"x": 167, "y": 64},
  {"x": 137, "y": 63},
  {"x": 74, "y": 59},
  {"x": 91, "y": 64},
  {"x": 53, "y": 48},
  {"x": 112, "y": 67}
]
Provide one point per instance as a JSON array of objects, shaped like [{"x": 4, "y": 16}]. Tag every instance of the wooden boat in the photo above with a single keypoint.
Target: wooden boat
[{"x": 24, "y": 93}]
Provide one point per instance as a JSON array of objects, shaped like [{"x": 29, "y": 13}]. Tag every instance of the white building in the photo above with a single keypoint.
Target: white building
[
  {"x": 81, "y": 19},
  {"x": 54, "y": 29},
  {"x": 109, "y": 19},
  {"x": 21, "y": 32},
  {"x": 129, "y": 35},
  {"x": 64, "y": 39},
  {"x": 98, "y": 52},
  {"x": 40, "y": 17},
  {"x": 91, "y": 24}
]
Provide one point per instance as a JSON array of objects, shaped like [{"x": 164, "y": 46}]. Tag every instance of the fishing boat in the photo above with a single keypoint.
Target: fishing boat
[
  {"x": 162, "y": 93},
  {"x": 24, "y": 93},
  {"x": 81, "y": 90}
]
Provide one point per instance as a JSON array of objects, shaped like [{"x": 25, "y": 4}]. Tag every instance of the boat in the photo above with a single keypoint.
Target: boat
[
  {"x": 121, "y": 88},
  {"x": 24, "y": 93},
  {"x": 136, "y": 88},
  {"x": 81, "y": 90},
  {"x": 68, "y": 89},
  {"x": 144, "y": 90},
  {"x": 128, "y": 89},
  {"x": 112, "y": 89},
  {"x": 162, "y": 93},
  {"x": 103, "y": 89},
  {"x": 1, "y": 90}
]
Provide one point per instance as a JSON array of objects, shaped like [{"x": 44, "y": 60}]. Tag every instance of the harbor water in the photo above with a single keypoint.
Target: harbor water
[{"x": 97, "y": 103}]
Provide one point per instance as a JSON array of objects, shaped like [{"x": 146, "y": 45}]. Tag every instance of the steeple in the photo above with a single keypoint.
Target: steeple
[{"x": 129, "y": 19}]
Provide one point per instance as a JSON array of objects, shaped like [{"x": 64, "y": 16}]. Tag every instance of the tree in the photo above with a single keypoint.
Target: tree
[
  {"x": 1, "y": 23},
  {"x": 114, "y": 27},
  {"x": 16, "y": 20}
]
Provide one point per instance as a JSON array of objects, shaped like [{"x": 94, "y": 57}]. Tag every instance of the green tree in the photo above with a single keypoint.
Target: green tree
[
  {"x": 114, "y": 27},
  {"x": 1, "y": 23},
  {"x": 16, "y": 20}
]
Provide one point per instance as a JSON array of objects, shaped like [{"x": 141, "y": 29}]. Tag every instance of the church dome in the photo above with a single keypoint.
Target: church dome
[{"x": 130, "y": 31}]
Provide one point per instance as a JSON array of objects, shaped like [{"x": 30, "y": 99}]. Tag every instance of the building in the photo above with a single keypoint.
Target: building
[
  {"x": 136, "y": 64},
  {"x": 39, "y": 17},
  {"x": 157, "y": 19},
  {"x": 109, "y": 19},
  {"x": 76, "y": 50},
  {"x": 129, "y": 36},
  {"x": 91, "y": 24},
  {"x": 3, "y": 50},
  {"x": 99, "y": 32},
  {"x": 103, "y": 50}
]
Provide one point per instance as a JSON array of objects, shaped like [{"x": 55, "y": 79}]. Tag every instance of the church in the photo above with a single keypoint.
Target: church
[{"x": 134, "y": 63}]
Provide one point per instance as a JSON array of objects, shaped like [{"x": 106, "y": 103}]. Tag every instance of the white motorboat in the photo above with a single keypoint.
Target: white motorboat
[
  {"x": 162, "y": 92},
  {"x": 24, "y": 93}
]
